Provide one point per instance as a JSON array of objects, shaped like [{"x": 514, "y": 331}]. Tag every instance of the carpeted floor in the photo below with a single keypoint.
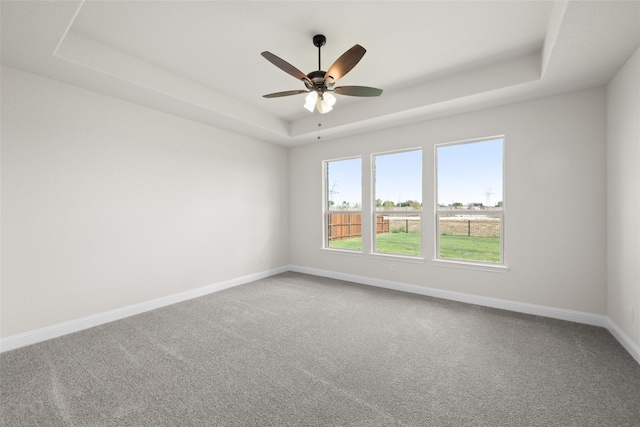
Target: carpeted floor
[{"x": 299, "y": 350}]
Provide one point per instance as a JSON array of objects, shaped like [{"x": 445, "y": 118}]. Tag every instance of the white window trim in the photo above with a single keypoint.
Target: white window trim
[
  {"x": 470, "y": 265},
  {"x": 462, "y": 263},
  {"x": 326, "y": 211},
  {"x": 326, "y": 230},
  {"x": 384, "y": 255},
  {"x": 412, "y": 259},
  {"x": 340, "y": 251},
  {"x": 374, "y": 234}
]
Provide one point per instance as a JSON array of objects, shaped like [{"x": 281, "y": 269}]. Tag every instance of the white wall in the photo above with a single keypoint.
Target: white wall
[
  {"x": 555, "y": 225},
  {"x": 106, "y": 204},
  {"x": 623, "y": 198}
]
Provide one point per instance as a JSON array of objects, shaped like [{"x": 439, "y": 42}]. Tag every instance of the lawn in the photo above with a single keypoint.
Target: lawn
[
  {"x": 471, "y": 248},
  {"x": 392, "y": 243},
  {"x": 398, "y": 243},
  {"x": 455, "y": 247}
]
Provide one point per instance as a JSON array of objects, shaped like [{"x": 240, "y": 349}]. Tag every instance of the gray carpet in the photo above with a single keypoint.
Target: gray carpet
[{"x": 299, "y": 350}]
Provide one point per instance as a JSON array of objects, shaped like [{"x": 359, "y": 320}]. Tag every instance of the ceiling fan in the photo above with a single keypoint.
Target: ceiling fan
[{"x": 321, "y": 84}]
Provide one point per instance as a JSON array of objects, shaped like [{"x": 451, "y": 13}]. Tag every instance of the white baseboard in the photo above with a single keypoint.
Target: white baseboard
[
  {"x": 60, "y": 329},
  {"x": 519, "y": 307},
  {"x": 54, "y": 331},
  {"x": 627, "y": 343}
]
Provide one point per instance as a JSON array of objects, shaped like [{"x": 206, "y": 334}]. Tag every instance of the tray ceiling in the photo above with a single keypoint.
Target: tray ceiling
[{"x": 201, "y": 60}]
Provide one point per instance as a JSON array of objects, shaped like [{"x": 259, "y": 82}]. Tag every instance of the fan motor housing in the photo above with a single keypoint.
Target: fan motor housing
[{"x": 317, "y": 77}]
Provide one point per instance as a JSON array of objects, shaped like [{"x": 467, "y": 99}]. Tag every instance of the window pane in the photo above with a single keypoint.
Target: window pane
[
  {"x": 398, "y": 181},
  {"x": 344, "y": 184},
  {"x": 469, "y": 194},
  {"x": 469, "y": 237},
  {"x": 344, "y": 230},
  {"x": 398, "y": 201},
  {"x": 470, "y": 174},
  {"x": 398, "y": 233},
  {"x": 343, "y": 204}
]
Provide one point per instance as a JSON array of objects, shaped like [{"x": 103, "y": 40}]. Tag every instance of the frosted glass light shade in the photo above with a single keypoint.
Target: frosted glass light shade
[
  {"x": 310, "y": 101},
  {"x": 324, "y": 102},
  {"x": 329, "y": 98}
]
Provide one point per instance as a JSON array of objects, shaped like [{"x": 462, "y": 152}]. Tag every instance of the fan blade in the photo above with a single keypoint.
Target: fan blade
[
  {"x": 357, "y": 91},
  {"x": 285, "y": 66},
  {"x": 345, "y": 63},
  {"x": 287, "y": 93}
]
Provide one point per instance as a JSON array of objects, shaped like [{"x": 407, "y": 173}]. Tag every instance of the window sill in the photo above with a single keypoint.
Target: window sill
[
  {"x": 466, "y": 265},
  {"x": 397, "y": 257},
  {"x": 336, "y": 251}
]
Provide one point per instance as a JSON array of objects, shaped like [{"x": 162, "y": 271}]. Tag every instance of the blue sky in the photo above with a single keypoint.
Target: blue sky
[
  {"x": 465, "y": 173},
  {"x": 344, "y": 181},
  {"x": 399, "y": 176}
]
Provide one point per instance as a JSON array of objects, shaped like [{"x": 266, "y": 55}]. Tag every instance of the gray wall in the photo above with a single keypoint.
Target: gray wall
[
  {"x": 555, "y": 225},
  {"x": 106, "y": 204},
  {"x": 623, "y": 199}
]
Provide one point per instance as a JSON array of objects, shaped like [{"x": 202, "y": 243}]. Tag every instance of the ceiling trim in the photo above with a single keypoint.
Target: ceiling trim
[{"x": 570, "y": 45}]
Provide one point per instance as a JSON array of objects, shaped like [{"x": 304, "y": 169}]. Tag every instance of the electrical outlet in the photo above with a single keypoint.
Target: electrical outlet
[{"x": 393, "y": 267}]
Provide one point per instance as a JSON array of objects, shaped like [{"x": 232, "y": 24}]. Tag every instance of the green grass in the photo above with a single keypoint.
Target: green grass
[
  {"x": 398, "y": 243},
  {"x": 470, "y": 248},
  {"x": 454, "y": 247},
  {"x": 354, "y": 243},
  {"x": 390, "y": 243}
]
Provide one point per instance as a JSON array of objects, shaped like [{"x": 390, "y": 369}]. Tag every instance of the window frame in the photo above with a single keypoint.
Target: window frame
[
  {"x": 326, "y": 211},
  {"x": 466, "y": 263},
  {"x": 374, "y": 212}
]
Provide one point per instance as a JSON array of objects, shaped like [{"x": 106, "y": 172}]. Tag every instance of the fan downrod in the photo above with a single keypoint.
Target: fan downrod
[{"x": 318, "y": 41}]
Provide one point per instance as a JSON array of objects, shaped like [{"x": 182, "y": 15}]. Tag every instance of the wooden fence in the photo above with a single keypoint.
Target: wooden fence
[
  {"x": 472, "y": 228},
  {"x": 407, "y": 224},
  {"x": 345, "y": 226}
]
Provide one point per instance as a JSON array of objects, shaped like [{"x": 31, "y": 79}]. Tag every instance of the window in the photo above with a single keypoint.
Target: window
[
  {"x": 469, "y": 194},
  {"x": 397, "y": 217},
  {"x": 343, "y": 200}
]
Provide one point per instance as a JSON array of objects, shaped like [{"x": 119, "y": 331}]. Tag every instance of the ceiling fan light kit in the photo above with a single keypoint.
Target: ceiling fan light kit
[{"x": 321, "y": 84}]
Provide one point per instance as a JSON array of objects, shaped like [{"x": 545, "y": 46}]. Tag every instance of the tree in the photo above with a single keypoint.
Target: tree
[
  {"x": 388, "y": 204},
  {"x": 410, "y": 204}
]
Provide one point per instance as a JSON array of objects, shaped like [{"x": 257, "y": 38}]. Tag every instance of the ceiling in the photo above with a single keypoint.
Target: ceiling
[{"x": 201, "y": 59}]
